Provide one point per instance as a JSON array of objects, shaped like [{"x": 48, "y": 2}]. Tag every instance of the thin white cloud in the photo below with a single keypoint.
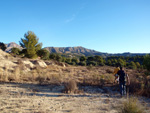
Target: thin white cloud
[{"x": 70, "y": 19}]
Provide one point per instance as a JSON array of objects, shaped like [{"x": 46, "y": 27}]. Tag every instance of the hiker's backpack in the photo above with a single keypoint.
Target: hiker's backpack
[{"x": 121, "y": 76}]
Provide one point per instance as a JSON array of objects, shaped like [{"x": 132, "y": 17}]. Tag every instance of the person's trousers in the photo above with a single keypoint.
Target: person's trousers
[{"x": 122, "y": 88}]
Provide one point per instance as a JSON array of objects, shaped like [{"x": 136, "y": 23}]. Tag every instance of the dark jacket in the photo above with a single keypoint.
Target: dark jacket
[{"x": 122, "y": 75}]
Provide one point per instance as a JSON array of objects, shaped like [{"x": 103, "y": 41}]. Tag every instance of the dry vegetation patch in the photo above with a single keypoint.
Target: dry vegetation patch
[
  {"x": 49, "y": 99},
  {"x": 132, "y": 105},
  {"x": 56, "y": 74}
]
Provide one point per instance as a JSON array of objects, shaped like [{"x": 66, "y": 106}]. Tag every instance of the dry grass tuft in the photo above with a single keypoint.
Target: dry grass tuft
[
  {"x": 19, "y": 61},
  {"x": 132, "y": 105},
  {"x": 5, "y": 74},
  {"x": 17, "y": 73},
  {"x": 109, "y": 71}
]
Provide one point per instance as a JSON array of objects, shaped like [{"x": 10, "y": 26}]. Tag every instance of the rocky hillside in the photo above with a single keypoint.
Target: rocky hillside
[
  {"x": 10, "y": 62},
  {"x": 75, "y": 50},
  {"x": 11, "y": 45}
]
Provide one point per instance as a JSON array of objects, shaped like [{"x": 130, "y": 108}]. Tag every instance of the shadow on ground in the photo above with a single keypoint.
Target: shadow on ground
[{"x": 56, "y": 90}]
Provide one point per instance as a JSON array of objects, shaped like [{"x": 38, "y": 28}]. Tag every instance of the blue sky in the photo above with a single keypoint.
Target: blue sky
[{"x": 112, "y": 26}]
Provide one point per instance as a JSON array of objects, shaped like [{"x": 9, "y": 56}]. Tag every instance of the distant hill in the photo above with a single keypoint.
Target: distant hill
[
  {"x": 11, "y": 45},
  {"x": 128, "y": 54},
  {"x": 87, "y": 52},
  {"x": 75, "y": 51}
]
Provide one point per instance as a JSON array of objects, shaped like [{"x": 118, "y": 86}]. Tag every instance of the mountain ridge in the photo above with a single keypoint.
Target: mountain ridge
[
  {"x": 74, "y": 50},
  {"x": 87, "y": 52},
  {"x": 10, "y": 45},
  {"x": 77, "y": 50}
]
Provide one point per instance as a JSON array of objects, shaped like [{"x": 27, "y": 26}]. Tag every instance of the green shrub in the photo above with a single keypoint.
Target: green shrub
[
  {"x": 132, "y": 65},
  {"x": 82, "y": 58},
  {"x": 58, "y": 57},
  {"x": 146, "y": 62},
  {"x": 138, "y": 65},
  {"x": 83, "y": 63},
  {"x": 15, "y": 51},
  {"x": 75, "y": 60},
  {"x": 121, "y": 62},
  {"x": 2, "y": 46},
  {"x": 52, "y": 56},
  {"x": 44, "y": 54},
  {"x": 72, "y": 63},
  {"x": 68, "y": 60},
  {"x": 92, "y": 63}
]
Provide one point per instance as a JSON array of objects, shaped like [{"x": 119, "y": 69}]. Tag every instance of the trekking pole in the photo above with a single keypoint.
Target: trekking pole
[{"x": 127, "y": 90}]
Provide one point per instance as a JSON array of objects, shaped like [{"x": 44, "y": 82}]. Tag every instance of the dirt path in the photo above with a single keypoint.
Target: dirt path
[{"x": 30, "y": 98}]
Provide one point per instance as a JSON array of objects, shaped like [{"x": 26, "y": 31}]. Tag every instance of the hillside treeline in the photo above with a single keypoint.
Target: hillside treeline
[
  {"x": 132, "y": 62},
  {"x": 31, "y": 48}
]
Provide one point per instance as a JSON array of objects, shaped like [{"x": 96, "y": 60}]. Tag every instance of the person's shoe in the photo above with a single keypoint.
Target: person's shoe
[{"x": 121, "y": 96}]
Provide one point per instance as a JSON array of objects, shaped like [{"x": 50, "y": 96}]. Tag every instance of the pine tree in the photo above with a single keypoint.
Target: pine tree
[
  {"x": 30, "y": 43},
  {"x": 146, "y": 62},
  {"x": 2, "y": 46}
]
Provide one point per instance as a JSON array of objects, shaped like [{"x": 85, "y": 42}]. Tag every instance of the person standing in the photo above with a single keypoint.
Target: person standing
[{"x": 123, "y": 81}]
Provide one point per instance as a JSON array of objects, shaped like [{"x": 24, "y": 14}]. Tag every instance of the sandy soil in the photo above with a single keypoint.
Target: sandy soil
[{"x": 32, "y": 98}]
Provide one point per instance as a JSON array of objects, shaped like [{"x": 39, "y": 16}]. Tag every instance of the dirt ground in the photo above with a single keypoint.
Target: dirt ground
[{"x": 33, "y": 98}]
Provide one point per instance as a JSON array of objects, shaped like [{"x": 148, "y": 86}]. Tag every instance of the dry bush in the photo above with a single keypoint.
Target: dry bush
[
  {"x": 17, "y": 73},
  {"x": 95, "y": 79},
  {"x": 34, "y": 75},
  {"x": 132, "y": 105},
  {"x": 21, "y": 65},
  {"x": 45, "y": 76},
  {"x": 135, "y": 82},
  {"x": 55, "y": 79},
  {"x": 98, "y": 80},
  {"x": 90, "y": 68},
  {"x": 109, "y": 78},
  {"x": 134, "y": 87},
  {"x": 140, "y": 84},
  {"x": 1, "y": 74},
  {"x": 5, "y": 74},
  {"x": 66, "y": 70},
  {"x": 144, "y": 90},
  {"x": 28, "y": 66},
  {"x": 109, "y": 71},
  {"x": 146, "y": 85},
  {"x": 71, "y": 87},
  {"x": 30, "y": 76},
  {"x": 92, "y": 80},
  {"x": 102, "y": 80},
  {"x": 41, "y": 78},
  {"x": 49, "y": 63},
  {"x": 19, "y": 61},
  {"x": 6, "y": 56}
]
